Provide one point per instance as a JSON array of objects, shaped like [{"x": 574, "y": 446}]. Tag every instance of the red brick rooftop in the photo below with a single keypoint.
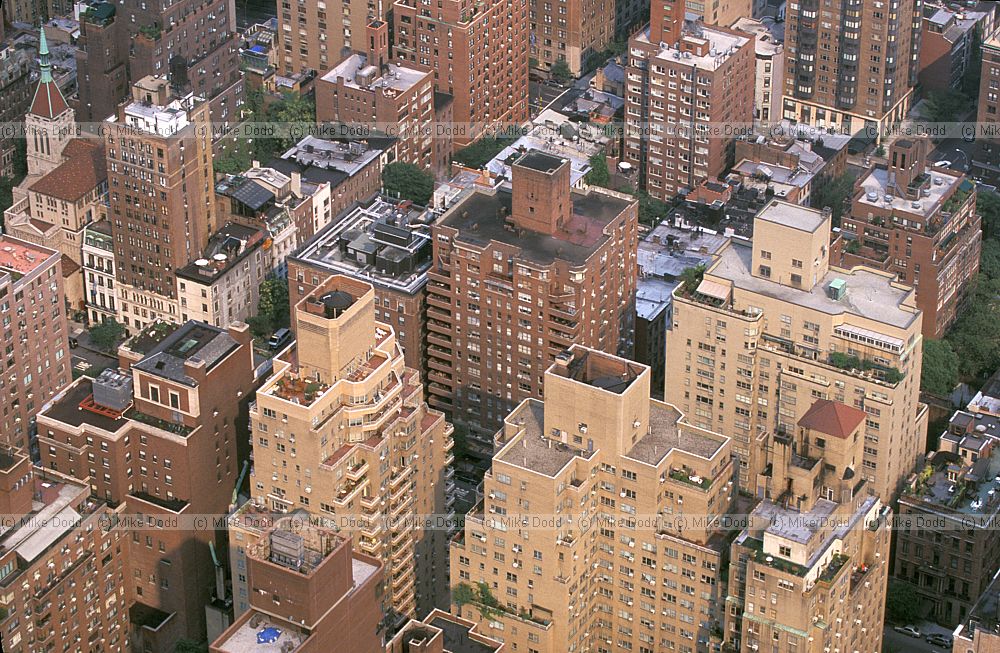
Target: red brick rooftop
[{"x": 21, "y": 257}]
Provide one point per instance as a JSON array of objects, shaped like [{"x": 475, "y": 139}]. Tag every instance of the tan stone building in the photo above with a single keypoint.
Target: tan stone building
[
  {"x": 313, "y": 36},
  {"x": 773, "y": 326},
  {"x": 682, "y": 80},
  {"x": 162, "y": 208},
  {"x": 809, "y": 572},
  {"x": 442, "y": 632},
  {"x": 581, "y": 542},
  {"x": 518, "y": 276},
  {"x": 340, "y": 430}
]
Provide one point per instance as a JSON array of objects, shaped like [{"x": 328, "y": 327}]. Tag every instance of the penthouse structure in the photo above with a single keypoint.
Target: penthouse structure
[
  {"x": 790, "y": 328},
  {"x": 310, "y": 593},
  {"x": 35, "y": 366},
  {"x": 368, "y": 89},
  {"x": 867, "y": 80},
  {"x": 594, "y": 458},
  {"x": 161, "y": 205},
  {"x": 385, "y": 243},
  {"x": 920, "y": 223},
  {"x": 810, "y": 571},
  {"x": 951, "y": 566},
  {"x": 159, "y": 436},
  {"x": 342, "y": 422},
  {"x": 479, "y": 55},
  {"x": 791, "y": 168},
  {"x": 62, "y": 572},
  {"x": 518, "y": 276},
  {"x": 681, "y": 78}
]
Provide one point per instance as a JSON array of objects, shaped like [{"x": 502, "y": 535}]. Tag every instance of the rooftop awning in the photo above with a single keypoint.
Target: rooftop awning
[{"x": 714, "y": 289}]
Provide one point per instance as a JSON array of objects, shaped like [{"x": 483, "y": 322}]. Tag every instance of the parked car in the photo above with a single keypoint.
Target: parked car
[
  {"x": 942, "y": 164},
  {"x": 939, "y": 639},
  {"x": 911, "y": 631},
  {"x": 280, "y": 338}
]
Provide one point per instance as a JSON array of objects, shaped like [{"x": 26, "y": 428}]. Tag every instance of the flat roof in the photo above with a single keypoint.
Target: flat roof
[
  {"x": 667, "y": 434},
  {"x": 868, "y": 294},
  {"x": 193, "y": 341},
  {"x": 720, "y": 45},
  {"x": 457, "y": 639},
  {"x": 793, "y": 215},
  {"x": 876, "y": 190},
  {"x": 20, "y": 257},
  {"x": 65, "y": 408},
  {"x": 393, "y": 76},
  {"x": 244, "y": 638},
  {"x": 531, "y": 450},
  {"x": 479, "y": 219}
]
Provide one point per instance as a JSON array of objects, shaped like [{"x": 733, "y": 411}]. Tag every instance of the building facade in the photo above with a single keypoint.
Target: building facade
[
  {"x": 518, "y": 276},
  {"x": 810, "y": 571},
  {"x": 986, "y": 160},
  {"x": 765, "y": 333},
  {"x": 947, "y": 42},
  {"x": 920, "y": 223},
  {"x": 950, "y": 567},
  {"x": 309, "y": 37},
  {"x": 479, "y": 55},
  {"x": 63, "y": 579},
  {"x": 159, "y": 436},
  {"x": 162, "y": 208},
  {"x": 769, "y": 69},
  {"x": 582, "y": 469},
  {"x": 15, "y": 85},
  {"x": 342, "y": 422},
  {"x": 681, "y": 77},
  {"x": 867, "y": 78},
  {"x": 99, "y": 273},
  {"x": 311, "y": 592},
  {"x": 36, "y": 365}
]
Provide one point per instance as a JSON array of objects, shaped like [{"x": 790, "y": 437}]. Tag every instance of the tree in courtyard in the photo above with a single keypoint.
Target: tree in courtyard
[{"x": 408, "y": 181}]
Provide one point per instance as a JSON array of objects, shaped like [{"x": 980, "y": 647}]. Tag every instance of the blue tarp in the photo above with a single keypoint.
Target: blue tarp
[{"x": 268, "y": 636}]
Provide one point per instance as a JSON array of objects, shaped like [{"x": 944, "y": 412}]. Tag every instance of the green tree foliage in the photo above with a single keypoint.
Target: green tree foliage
[
  {"x": 240, "y": 151},
  {"x": 272, "y": 309},
  {"x": 408, "y": 181},
  {"x": 692, "y": 277},
  {"x": 187, "y": 646},
  {"x": 946, "y": 105},
  {"x": 902, "y": 603},
  {"x": 835, "y": 193},
  {"x": 989, "y": 263},
  {"x": 975, "y": 337},
  {"x": 560, "y": 71},
  {"x": 106, "y": 335},
  {"x": 988, "y": 206},
  {"x": 598, "y": 174},
  {"x": 939, "y": 374},
  {"x": 481, "y": 152}
]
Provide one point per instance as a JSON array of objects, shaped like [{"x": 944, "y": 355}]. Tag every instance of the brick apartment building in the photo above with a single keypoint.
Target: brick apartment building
[
  {"x": 160, "y": 437},
  {"x": 15, "y": 85},
  {"x": 596, "y": 454},
  {"x": 946, "y": 44},
  {"x": 35, "y": 337},
  {"x": 773, "y": 326},
  {"x": 162, "y": 209},
  {"x": 311, "y": 592},
  {"x": 479, "y": 55},
  {"x": 791, "y": 168},
  {"x": 951, "y": 566},
  {"x": 810, "y": 572},
  {"x": 341, "y": 431},
  {"x": 309, "y": 37},
  {"x": 866, "y": 79},
  {"x": 986, "y": 160},
  {"x": 684, "y": 79},
  {"x": 62, "y": 582},
  {"x": 980, "y": 631},
  {"x": 387, "y": 244},
  {"x": 920, "y": 223},
  {"x": 367, "y": 88},
  {"x": 192, "y": 41},
  {"x": 518, "y": 276}
]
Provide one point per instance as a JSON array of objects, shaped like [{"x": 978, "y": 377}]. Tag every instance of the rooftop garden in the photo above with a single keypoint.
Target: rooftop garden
[
  {"x": 301, "y": 391},
  {"x": 162, "y": 424},
  {"x": 489, "y": 606},
  {"x": 687, "y": 476},
  {"x": 759, "y": 556},
  {"x": 848, "y": 362},
  {"x": 836, "y": 563},
  {"x": 152, "y": 32}
]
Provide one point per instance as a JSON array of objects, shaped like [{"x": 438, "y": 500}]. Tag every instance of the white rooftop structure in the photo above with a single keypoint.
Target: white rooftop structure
[{"x": 356, "y": 73}]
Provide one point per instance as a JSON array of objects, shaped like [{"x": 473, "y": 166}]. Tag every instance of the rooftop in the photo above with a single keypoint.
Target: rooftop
[
  {"x": 531, "y": 449},
  {"x": 83, "y": 170},
  {"x": 597, "y": 369},
  {"x": 56, "y": 509},
  {"x": 321, "y": 160},
  {"x": 663, "y": 255},
  {"x": 832, "y": 418},
  {"x": 193, "y": 341},
  {"x": 479, "y": 219},
  {"x": 877, "y": 191},
  {"x": 226, "y": 247},
  {"x": 65, "y": 408},
  {"x": 261, "y": 633},
  {"x": 457, "y": 639},
  {"x": 386, "y": 243},
  {"x": 868, "y": 294},
  {"x": 356, "y": 73},
  {"x": 795, "y": 216},
  {"x": 666, "y": 434},
  {"x": 721, "y": 45},
  {"x": 20, "y": 258}
]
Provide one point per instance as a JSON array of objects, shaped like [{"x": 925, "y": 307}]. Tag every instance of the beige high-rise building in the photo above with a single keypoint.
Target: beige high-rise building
[
  {"x": 313, "y": 36},
  {"x": 808, "y": 574},
  {"x": 599, "y": 528},
  {"x": 341, "y": 431},
  {"x": 773, "y": 327}
]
